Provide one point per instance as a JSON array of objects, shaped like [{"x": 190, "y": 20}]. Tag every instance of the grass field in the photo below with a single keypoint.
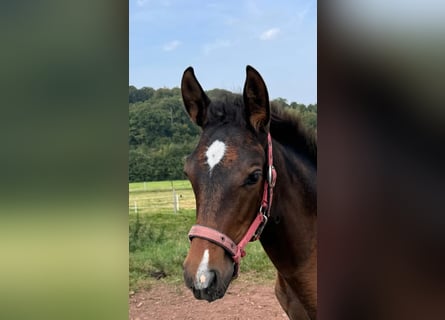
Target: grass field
[
  {"x": 159, "y": 196},
  {"x": 158, "y": 241}
]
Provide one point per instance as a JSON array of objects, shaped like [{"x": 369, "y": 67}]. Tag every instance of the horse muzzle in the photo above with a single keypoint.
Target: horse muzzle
[
  {"x": 207, "y": 287},
  {"x": 209, "y": 276}
]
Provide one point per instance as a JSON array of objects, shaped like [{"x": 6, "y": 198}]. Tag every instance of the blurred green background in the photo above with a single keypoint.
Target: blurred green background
[{"x": 63, "y": 162}]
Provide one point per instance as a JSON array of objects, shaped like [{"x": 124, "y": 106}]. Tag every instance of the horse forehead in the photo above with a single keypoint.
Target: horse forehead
[
  {"x": 215, "y": 153},
  {"x": 219, "y": 151},
  {"x": 225, "y": 149}
]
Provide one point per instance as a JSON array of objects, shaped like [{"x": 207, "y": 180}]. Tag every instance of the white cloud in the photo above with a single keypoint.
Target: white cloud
[
  {"x": 141, "y": 3},
  {"x": 302, "y": 14},
  {"x": 252, "y": 8},
  {"x": 172, "y": 45},
  {"x": 165, "y": 3},
  {"x": 270, "y": 34},
  {"x": 218, "y": 44}
]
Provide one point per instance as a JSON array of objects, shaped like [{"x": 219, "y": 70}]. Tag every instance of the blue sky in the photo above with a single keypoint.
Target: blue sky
[{"x": 219, "y": 38}]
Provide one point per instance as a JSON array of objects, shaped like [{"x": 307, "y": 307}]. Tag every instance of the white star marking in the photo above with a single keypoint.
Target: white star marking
[{"x": 215, "y": 153}]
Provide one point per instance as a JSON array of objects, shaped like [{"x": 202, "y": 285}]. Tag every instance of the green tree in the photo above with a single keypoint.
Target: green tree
[
  {"x": 139, "y": 95},
  {"x": 161, "y": 134}
]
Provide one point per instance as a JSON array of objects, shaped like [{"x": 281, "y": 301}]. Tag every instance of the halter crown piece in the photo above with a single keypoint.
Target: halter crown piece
[{"x": 256, "y": 227}]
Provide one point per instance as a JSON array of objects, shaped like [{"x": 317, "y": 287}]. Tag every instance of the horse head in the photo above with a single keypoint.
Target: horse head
[{"x": 227, "y": 170}]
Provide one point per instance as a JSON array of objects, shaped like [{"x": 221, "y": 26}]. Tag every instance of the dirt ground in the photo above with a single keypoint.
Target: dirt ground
[{"x": 243, "y": 301}]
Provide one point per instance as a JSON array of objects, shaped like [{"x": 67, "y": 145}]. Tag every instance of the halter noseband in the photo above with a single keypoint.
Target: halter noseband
[{"x": 256, "y": 227}]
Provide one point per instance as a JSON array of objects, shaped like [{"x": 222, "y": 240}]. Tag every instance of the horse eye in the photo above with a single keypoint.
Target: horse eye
[{"x": 253, "y": 177}]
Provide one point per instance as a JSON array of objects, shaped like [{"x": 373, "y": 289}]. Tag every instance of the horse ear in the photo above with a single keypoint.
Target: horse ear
[
  {"x": 256, "y": 100},
  {"x": 195, "y": 100}
]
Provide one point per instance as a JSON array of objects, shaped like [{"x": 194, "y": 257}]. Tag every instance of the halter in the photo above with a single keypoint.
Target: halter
[{"x": 256, "y": 227}]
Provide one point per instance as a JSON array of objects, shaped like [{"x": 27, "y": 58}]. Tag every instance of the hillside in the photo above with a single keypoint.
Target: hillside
[{"x": 161, "y": 134}]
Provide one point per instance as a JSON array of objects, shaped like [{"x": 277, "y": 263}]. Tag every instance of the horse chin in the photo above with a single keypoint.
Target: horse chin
[{"x": 209, "y": 294}]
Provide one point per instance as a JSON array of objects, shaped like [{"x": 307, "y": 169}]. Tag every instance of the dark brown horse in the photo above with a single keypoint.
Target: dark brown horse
[{"x": 232, "y": 171}]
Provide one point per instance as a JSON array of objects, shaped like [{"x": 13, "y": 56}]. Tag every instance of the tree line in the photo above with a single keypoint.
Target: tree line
[{"x": 161, "y": 134}]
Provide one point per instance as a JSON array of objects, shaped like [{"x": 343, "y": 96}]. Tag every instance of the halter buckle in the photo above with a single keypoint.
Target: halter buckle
[
  {"x": 271, "y": 176},
  {"x": 260, "y": 229}
]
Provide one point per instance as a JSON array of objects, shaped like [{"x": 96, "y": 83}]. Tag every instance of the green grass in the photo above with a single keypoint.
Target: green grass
[
  {"x": 159, "y": 248},
  {"x": 157, "y": 197},
  {"x": 158, "y": 241}
]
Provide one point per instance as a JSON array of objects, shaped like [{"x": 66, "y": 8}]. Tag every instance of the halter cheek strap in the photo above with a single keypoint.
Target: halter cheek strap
[{"x": 237, "y": 251}]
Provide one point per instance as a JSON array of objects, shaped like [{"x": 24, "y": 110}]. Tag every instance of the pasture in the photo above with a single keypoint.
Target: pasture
[
  {"x": 158, "y": 241},
  {"x": 160, "y": 196}
]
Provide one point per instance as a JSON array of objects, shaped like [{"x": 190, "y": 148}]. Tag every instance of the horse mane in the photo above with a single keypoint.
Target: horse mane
[
  {"x": 288, "y": 128},
  {"x": 285, "y": 127}
]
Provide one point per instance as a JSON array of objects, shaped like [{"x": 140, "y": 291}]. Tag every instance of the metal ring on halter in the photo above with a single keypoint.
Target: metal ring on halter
[
  {"x": 258, "y": 232},
  {"x": 271, "y": 176}
]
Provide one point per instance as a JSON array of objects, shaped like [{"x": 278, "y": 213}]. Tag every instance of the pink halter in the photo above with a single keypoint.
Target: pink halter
[{"x": 256, "y": 228}]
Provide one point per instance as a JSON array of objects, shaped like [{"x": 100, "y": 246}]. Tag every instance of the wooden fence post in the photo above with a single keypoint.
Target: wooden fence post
[{"x": 175, "y": 200}]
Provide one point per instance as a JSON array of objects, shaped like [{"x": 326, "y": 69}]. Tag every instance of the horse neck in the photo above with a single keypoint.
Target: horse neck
[{"x": 290, "y": 236}]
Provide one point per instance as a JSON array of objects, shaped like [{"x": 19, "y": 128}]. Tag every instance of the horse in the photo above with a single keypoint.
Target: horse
[{"x": 253, "y": 173}]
